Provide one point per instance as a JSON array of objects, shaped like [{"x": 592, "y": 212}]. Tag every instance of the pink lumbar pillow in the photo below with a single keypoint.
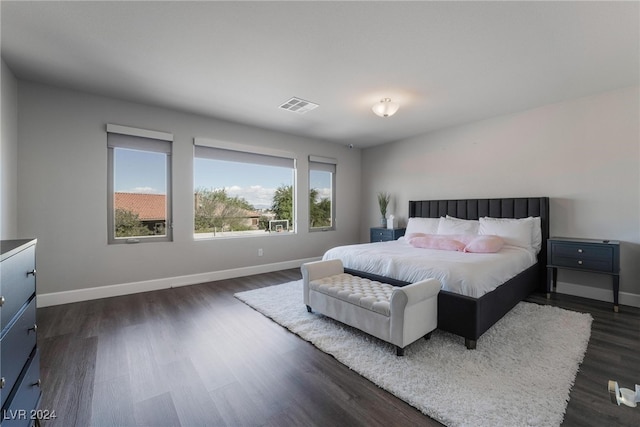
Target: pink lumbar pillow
[
  {"x": 485, "y": 244},
  {"x": 434, "y": 241},
  {"x": 412, "y": 235}
]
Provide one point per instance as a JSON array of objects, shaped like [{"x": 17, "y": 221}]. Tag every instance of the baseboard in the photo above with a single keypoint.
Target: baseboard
[
  {"x": 624, "y": 298},
  {"x": 86, "y": 294}
]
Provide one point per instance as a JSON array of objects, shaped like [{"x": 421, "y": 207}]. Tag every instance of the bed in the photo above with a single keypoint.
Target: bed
[{"x": 468, "y": 316}]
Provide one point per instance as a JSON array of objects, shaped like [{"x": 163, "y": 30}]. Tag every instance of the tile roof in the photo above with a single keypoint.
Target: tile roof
[{"x": 149, "y": 207}]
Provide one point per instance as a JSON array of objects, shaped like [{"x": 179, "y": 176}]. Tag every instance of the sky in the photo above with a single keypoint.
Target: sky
[
  {"x": 144, "y": 172},
  {"x": 139, "y": 171},
  {"x": 255, "y": 183}
]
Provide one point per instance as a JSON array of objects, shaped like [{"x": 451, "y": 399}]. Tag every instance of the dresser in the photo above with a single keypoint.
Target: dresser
[
  {"x": 593, "y": 256},
  {"x": 379, "y": 234},
  {"x": 19, "y": 358}
]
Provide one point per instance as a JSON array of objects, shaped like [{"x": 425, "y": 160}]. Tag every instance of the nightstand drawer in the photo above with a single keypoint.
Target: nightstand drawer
[
  {"x": 586, "y": 263},
  {"x": 582, "y": 251},
  {"x": 379, "y": 234}
]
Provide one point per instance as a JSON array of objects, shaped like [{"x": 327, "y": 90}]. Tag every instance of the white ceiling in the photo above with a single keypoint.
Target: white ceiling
[{"x": 446, "y": 63}]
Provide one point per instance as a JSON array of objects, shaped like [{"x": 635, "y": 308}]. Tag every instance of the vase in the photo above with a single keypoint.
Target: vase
[{"x": 383, "y": 222}]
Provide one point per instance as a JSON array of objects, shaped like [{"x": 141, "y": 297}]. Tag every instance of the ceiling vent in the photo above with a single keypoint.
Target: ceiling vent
[{"x": 298, "y": 105}]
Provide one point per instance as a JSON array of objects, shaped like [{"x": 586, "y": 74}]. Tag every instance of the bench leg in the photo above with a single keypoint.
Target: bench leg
[
  {"x": 471, "y": 344},
  {"x": 309, "y": 309},
  {"x": 399, "y": 351}
]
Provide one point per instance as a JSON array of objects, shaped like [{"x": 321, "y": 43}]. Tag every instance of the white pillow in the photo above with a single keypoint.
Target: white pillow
[
  {"x": 536, "y": 240},
  {"x": 422, "y": 225},
  {"x": 515, "y": 232},
  {"x": 451, "y": 225}
]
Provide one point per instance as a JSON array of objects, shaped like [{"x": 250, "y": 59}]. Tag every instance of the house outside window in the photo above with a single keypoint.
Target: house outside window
[
  {"x": 242, "y": 191},
  {"x": 139, "y": 183},
  {"x": 322, "y": 189}
]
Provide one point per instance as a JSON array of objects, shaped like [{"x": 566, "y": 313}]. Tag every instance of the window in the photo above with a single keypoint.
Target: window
[
  {"x": 322, "y": 189},
  {"x": 242, "y": 191},
  {"x": 139, "y": 183}
]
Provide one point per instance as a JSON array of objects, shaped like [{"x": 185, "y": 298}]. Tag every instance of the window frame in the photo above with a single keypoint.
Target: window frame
[
  {"x": 324, "y": 164},
  {"x": 204, "y": 148},
  {"x": 146, "y": 141}
]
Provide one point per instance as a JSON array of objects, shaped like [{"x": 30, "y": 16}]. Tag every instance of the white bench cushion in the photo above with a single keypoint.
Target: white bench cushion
[{"x": 368, "y": 294}]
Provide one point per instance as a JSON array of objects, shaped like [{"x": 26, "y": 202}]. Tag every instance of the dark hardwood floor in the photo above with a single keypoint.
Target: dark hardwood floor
[{"x": 196, "y": 356}]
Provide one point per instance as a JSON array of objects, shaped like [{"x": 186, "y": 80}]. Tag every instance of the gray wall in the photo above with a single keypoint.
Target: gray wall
[
  {"x": 584, "y": 154},
  {"x": 8, "y": 154},
  {"x": 62, "y": 176}
]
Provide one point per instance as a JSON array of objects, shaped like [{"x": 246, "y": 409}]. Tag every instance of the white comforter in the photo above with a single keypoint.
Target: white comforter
[{"x": 469, "y": 274}]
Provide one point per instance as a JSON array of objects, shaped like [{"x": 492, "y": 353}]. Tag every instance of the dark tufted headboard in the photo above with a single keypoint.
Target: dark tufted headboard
[{"x": 513, "y": 207}]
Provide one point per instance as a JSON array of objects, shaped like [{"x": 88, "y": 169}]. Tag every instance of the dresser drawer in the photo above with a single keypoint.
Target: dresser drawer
[
  {"x": 17, "y": 283},
  {"x": 21, "y": 410},
  {"x": 582, "y": 251},
  {"x": 17, "y": 344}
]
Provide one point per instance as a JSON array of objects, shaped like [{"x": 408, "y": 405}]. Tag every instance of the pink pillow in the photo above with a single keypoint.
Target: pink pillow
[
  {"x": 412, "y": 235},
  {"x": 433, "y": 241},
  {"x": 485, "y": 244},
  {"x": 463, "y": 238}
]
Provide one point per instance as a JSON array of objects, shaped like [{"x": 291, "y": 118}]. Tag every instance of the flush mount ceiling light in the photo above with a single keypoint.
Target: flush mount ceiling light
[{"x": 385, "y": 108}]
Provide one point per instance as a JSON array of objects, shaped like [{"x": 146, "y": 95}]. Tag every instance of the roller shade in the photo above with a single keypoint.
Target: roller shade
[
  {"x": 325, "y": 164},
  {"x": 138, "y": 139},
  {"x": 215, "y": 153}
]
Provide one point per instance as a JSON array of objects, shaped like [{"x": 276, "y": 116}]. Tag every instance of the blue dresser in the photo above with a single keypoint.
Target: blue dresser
[{"x": 19, "y": 358}]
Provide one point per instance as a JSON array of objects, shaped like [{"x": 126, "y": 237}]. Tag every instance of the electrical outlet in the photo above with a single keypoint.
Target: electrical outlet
[{"x": 260, "y": 252}]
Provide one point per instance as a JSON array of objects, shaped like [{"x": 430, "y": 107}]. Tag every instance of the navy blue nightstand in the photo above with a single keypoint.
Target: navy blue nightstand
[{"x": 594, "y": 256}]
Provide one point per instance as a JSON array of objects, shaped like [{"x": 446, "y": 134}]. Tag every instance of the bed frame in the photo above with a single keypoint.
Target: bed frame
[{"x": 471, "y": 317}]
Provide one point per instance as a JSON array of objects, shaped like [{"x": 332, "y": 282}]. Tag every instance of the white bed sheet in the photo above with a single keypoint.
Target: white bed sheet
[{"x": 470, "y": 274}]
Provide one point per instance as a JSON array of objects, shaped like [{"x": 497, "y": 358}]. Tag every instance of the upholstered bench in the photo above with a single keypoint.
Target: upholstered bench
[{"x": 397, "y": 315}]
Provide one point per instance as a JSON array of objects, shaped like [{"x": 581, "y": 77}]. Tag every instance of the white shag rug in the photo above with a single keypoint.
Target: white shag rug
[{"x": 520, "y": 374}]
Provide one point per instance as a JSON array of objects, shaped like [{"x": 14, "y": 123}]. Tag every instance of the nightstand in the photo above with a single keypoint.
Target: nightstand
[
  {"x": 379, "y": 234},
  {"x": 593, "y": 256}
]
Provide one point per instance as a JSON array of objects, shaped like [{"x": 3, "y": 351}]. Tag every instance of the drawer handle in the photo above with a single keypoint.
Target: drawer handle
[
  {"x": 32, "y": 272},
  {"x": 579, "y": 262},
  {"x": 2, "y": 300},
  {"x": 2, "y": 382},
  {"x": 34, "y": 328},
  {"x": 579, "y": 251},
  {"x": 37, "y": 383}
]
